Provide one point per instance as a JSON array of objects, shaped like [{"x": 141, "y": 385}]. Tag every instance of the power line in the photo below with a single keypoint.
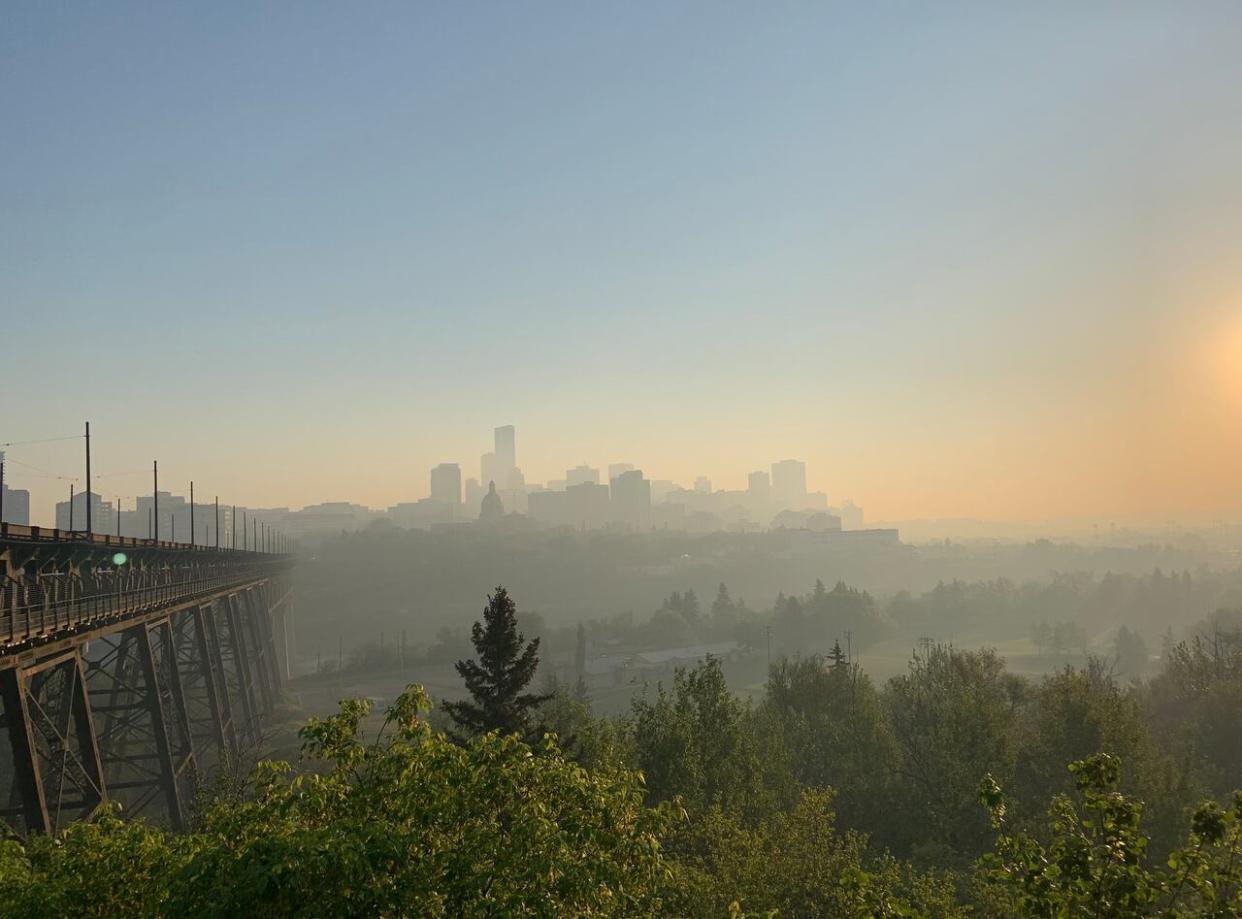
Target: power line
[
  {"x": 42, "y": 472},
  {"x": 45, "y": 440}
]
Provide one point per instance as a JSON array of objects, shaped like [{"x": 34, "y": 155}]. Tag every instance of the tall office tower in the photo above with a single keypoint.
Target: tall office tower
[
  {"x": 489, "y": 471},
  {"x": 703, "y": 485},
  {"x": 103, "y": 519},
  {"x": 446, "y": 483},
  {"x": 615, "y": 469},
  {"x": 475, "y": 491},
  {"x": 631, "y": 498},
  {"x": 506, "y": 454},
  {"x": 759, "y": 485},
  {"x": 580, "y": 475},
  {"x": 16, "y": 506},
  {"x": 789, "y": 484},
  {"x": 851, "y": 515}
]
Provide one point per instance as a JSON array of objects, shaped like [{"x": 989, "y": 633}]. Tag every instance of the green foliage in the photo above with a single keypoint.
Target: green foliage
[
  {"x": 104, "y": 868},
  {"x": 698, "y": 742},
  {"x": 952, "y": 718},
  {"x": 1130, "y": 651},
  {"x": 1075, "y": 713},
  {"x": 795, "y": 864},
  {"x": 1096, "y": 860},
  {"x": 410, "y": 824},
  {"x": 506, "y": 665},
  {"x": 1196, "y": 700},
  {"x": 831, "y": 722}
]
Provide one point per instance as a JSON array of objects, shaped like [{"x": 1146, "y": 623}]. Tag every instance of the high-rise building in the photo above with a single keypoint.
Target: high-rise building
[
  {"x": 580, "y": 475},
  {"x": 16, "y": 508},
  {"x": 789, "y": 484},
  {"x": 102, "y": 519},
  {"x": 703, "y": 485},
  {"x": 851, "y": 515},
  {"x": 586, "y": 505},
  {"x": 616, "y": 469},
  {"x": 474, "y": 497},
  {"x": 446, "y": 484},
  {"x": 489, "y": 470},
  {"x": 506, "y": 454},
  {"x": 759, "y": 486},
  {"x": 631, "y": 499}
]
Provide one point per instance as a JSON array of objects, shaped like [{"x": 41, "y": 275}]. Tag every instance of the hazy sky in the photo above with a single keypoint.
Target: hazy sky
[{"x": 963, "y": 260}]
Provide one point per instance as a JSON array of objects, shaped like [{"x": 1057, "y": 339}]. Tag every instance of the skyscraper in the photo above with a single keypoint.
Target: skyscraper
[
  {"x": 446, "y": 483},
  {"x": 631, "y": 498},
  {"x": 489, "y": 470},
  {"x": 615, "y": 469},
  {"x": 580, "y": 475},
  {"x": 506, "y": 453},
  {"x": 759, "y": 485},
  {"x": 789, "y": 484},
  {"x": 16, "y": 506}
]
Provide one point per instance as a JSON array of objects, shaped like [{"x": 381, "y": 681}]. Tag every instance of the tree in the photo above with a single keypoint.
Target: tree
[
  {"x": 1041, "y": 635},
  {"x": 724, "y": 611},
  {"x": 1095, "y": 860},
  {"x": 795, "y": 863},
  {"x": 1196, "y": 699},
  {"x": 408, "y": 824},
  {"x": 699, "y": 742},
  {"x": 829, "y": 719},
  {"x": 952, "y": 719},
  {"x": 1074, "y": 713},
  {"x": 506, "y": 665},
  {"x": 1131, "y": 652},
  {"x": 580, "y": 653}
]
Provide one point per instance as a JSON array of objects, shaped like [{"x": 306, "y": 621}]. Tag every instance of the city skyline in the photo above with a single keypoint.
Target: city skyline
[
  {"x": 446, "y": 484},
  {"x": 983, "y": 264}
]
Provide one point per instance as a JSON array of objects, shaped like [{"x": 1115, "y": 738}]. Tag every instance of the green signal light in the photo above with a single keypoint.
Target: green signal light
[{"x": 120, "y": 559}]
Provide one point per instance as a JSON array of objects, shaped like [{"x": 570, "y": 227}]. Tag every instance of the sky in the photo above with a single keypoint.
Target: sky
[{"x": 965, "y": 260}]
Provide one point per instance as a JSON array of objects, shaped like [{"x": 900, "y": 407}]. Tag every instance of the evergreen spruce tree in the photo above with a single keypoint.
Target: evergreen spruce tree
[
  {"x": 506, "y": 665},
  {"x": 837, "y": 657},
  {"x": 580, "y": 687}
]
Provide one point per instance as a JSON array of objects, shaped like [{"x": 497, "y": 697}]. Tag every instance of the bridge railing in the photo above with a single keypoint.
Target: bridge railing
[
  {"x": 21, "y": 533},
  {"x": 49, "y": 617}
]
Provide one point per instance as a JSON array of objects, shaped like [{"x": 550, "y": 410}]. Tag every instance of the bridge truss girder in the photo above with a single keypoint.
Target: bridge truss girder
[{"x": 139, "y": 710}]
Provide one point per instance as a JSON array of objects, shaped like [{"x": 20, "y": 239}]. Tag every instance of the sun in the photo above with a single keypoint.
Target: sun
[{"x": 1228, "y": 357}]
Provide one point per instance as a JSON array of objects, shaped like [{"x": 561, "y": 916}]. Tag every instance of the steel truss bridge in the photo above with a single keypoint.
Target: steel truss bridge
[{"x": 130, "y": 670}]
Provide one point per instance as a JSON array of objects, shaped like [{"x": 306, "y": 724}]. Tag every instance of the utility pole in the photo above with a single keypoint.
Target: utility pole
[
  {"x": 191, "y": 513},
  {"x": 155, "y": 514},
  {"x": 217, "y": 521},
  {"x": 88, "y": 477}
]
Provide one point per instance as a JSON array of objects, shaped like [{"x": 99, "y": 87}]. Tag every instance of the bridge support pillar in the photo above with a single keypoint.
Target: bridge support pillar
[{"x": 28, "y": 782}]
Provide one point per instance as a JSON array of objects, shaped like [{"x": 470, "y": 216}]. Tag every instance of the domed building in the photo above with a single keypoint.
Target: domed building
[{"x": 492, "y": 509}]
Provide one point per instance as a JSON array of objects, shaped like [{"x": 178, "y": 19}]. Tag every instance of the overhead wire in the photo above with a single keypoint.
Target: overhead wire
[{"x": 44, "y": 440}]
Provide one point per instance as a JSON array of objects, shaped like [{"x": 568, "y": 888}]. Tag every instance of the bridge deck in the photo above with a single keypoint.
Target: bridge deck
[{"x": 57, "y": 583}]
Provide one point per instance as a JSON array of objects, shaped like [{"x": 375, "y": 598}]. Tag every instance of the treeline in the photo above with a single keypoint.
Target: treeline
[
  {"x": 389, "y": 580},
  {"x": 1062, "y": 614},
  {"x": 942, "y": 793}
]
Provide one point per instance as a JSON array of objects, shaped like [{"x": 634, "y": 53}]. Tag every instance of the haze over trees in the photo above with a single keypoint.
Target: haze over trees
[{"x": 942, "y": 792}]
